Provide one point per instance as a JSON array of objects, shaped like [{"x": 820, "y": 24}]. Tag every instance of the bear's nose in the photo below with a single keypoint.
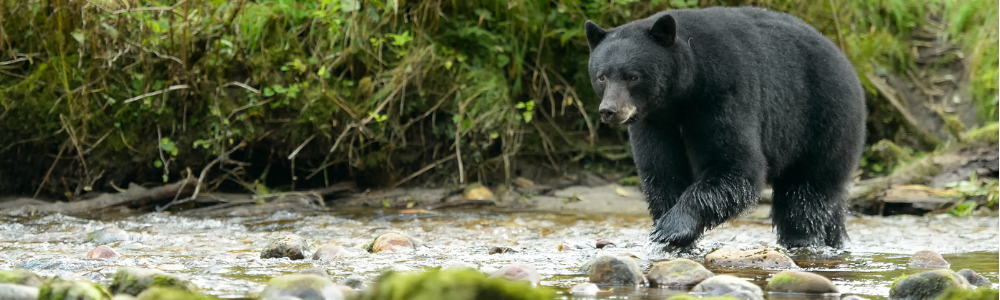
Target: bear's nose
[{"x": 607, "y": 113}]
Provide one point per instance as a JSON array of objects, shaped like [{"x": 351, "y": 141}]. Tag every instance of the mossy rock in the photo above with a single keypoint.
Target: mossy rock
[
  {"x": 22, "y": 277},
  {"x": 989, "y": 133},
  {"x": 164, "y": 293},
  {"x": 454, "y": 284},
  {"x": 983, "y": 293},
  {"x": 800, "y": 282},
  {"x": 677, "y": 273},
  {"x": 133, "y": 281},
  {"x": 301, "y": 286},
  {"x": 291, "y": 246},
  {"x": 927, "y": 285},
  {"x": 72, "y": 290}
]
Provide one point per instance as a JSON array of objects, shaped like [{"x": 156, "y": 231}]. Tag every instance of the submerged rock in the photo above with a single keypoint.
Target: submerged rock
[
  {"x": 316, "y": 271},
  {"x": 926, "y": 285},
  {"x": 301, "y": 286},
  {"x": 585, "y": 289},
  {"x": 680, "y": 272},
  {"x": 392, "y": 242},
  {"x": 518, "y": 271},
  {"x": 800, "y": 282},
  {"x": 354, "y": 282},
  {"x": 133, "y": 281},
  {"x": 162, "y": 293},
  {"x": 725, "y": 285},
  {"x": 766, "y": 258},
  {"x": 501, "y": 250},
  {"x": 614, "y": 270},
  {"x": 974, "y": 278},
  {"x": 107, "y": 235},
  {"x": 927, "y": 259},
  {"x": 330, "y": 252},
  {"x": 10, "y": 291},
  {"x": 103, "y": 251},
  {"x": 72, "y": 290},
  {"x": 459, "y": 284},
  {"x": 22, "y": 277},
  {"x": 604, "y": 243},
  {"x": 291, "y": 246}
]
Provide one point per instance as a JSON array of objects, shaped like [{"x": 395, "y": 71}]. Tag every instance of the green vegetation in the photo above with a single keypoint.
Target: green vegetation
[
  {"x": 452, "y": 285},
  {"x": 97, "y": 94}
]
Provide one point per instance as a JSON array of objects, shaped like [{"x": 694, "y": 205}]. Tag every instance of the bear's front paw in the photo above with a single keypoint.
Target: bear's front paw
[{"x": 676, "y": 231}]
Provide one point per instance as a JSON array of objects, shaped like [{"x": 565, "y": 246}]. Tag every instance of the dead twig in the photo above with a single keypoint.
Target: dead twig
[
  {"x": 422, "y": 170},
  {"x": 150, "y": 94},
  {"x": 201, "y": 178}
]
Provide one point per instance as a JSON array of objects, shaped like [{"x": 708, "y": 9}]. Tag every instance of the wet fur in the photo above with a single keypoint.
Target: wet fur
[{"x": 735, "y": 99}]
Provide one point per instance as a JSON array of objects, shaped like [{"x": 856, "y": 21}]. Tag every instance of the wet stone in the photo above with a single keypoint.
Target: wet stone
[
  {"x": 575, "y": 245},
  {"x": 680, "y": 272},
  {"x": 316, "y": 271},
  {"x": 162, "y": 293},
  {"x": 725, "y": 285},
  {"x": 354, "y": 282},
  {"x": 72, "y": 290},
  {"x": 615, "y": 270},
  {"x": 926, "y": 259},
  {"x": 21, "y": 277},
  {"x": 392, "y": 242},
  {"x": 518, "y": 271},
  {"x": 584, "y": 289},
  {"x": 103, "y": 251},
  {"x": 766, "y": 258},
  {"x": 10, "y": 291},
  {"x": 974, "y": 278},
  {"x": 477, "y": 191},
  {"x": 133, "y": 281},
  {"x": 107, "y": 235},
  {"x": 501, "y": 250},
  {"x": 800, "y": 282},
  {"x": 301, "y": 286},
  {"x": 926, "y": 285},
  {"x": 291, "y": 246},
  {"x": 329, "y": 252},
  {"x": 604, "y": 243}
]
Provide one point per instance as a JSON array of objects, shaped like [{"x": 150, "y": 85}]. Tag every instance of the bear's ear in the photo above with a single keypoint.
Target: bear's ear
[
  {"x": 595, "y": 34},
  {"x": 664, "y": 31}
]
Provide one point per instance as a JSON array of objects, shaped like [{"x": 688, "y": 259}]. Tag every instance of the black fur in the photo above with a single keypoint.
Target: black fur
[{"x": 721, "y": 101}]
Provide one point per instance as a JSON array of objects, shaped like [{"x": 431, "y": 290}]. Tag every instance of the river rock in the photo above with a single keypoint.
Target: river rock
[
  {"x": 392, "y": 242},
  {"x": 604, "y": 243},
  {"x": 353, "y": 281},
  {"x": 680, "y": 272},
  {"x": 103, "y": 251},
  {"x": 301, "y": 286},
  {"x": 518, "y": 271},
  {"x": 20, "y": 276},
  {"x": 800, "y": 282},
  {"x": 926, "y": 285},
  {"x": 501, "y": 250},
  {"x": 291, "y": 246},
  {"x": 584, "y": 289},
  {"x": 974, "y": 278},
  {"x": 107, "y": 235},
  {"x": 615, "y": 270},
  {"x": 133, "y": 281},
  {"x": 725, "y": 285},
  {"x": 10, "y": 291},
  {"x": 72, "y": 290},
  {"x": 477, "y": 191},
  {"x": 163, "y": 293},
  {"x": 766, "y": 258},
  {"x": 316, "y": 271},
  {"x": 927, "y": 259}
]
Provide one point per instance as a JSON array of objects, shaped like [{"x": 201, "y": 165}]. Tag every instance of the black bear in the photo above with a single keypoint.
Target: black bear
[{"x": 721, "y": 101}]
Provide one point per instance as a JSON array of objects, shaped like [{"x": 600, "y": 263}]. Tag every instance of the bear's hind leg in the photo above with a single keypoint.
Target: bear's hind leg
[{"x": 809, "y": 213}]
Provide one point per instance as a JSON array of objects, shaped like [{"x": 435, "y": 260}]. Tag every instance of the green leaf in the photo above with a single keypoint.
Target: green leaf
[
  {"x": 77, "y": 35},
  {"x": 268, "y": 92},
  {"x": 503, "y": 60},
  {"x": 157, "y": 163}
]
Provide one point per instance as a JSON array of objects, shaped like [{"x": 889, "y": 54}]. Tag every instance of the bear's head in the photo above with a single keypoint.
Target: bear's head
[{"x": 637, "y": 68}]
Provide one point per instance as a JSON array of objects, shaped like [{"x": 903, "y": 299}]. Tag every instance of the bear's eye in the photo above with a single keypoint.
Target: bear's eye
[
  {"x": 632, "y": 78},
  {"x": 601, "y": 78}
]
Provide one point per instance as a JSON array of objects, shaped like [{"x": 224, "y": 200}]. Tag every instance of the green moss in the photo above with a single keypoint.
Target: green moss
[
  {"x": 133, "y": 281},
  {"x": 983, "y": 293},
  {"x": 629, "y": 181},
  {"x": 989, "y": 133},
  {"x": 19, "y": 276},
  {"x": 784, "y": 278},
  {"x": 453, "y": 284},
  {"x": 72, "y": 290},
  {"x": 163, "y": 293}
]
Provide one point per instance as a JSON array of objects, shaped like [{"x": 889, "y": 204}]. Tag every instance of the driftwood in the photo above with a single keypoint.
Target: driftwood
[{"x": 134, "y": 196}]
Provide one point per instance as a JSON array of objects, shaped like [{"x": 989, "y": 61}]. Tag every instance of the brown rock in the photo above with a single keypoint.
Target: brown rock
[
  {"x": 501, "y": 250},
  {"x": 800, "y": 282},
  {"x": 393, "y": 242},
  {"x": 614, "y": 270},
  {"x": 329, "y": 252},
  {"x": 477, "y": 191},
  {"x": 927, "y": 259},
  {"x": 291, "y": 246},
  {"x": 103, "y": 251},
  {"x": 604, "y": 243},
  {"x": 680, "y": 272},
  {"x": 766, "y": 258}
]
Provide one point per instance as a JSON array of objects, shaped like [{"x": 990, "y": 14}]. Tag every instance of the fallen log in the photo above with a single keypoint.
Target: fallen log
[{"x": 135, "y": 195}]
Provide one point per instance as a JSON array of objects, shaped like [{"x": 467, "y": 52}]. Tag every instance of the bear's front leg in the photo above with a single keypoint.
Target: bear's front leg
[
  {"x": 662, "y": 163},
  {"x": 720, "y": 194}
]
